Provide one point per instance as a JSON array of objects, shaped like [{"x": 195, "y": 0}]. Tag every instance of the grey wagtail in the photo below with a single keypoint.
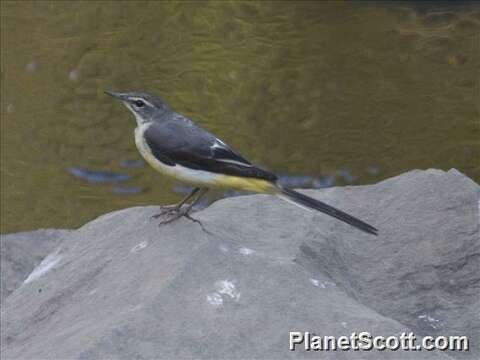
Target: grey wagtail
[{"x": 174, "y": 145}]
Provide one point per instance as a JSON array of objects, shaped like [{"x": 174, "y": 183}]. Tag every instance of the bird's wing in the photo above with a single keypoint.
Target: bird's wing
[{"x": 180, "y": 141}]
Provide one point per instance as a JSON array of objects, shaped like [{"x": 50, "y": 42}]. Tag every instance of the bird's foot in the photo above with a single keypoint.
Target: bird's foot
[
  {"x": 172, "y": 215},
  {"x": 165, "y": 210}
]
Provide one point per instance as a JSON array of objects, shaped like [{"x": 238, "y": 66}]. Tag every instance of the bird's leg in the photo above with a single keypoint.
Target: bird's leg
[
  {"x": 184, "y": 212},
  {"x": 176, "y": 207},
  {"x": 195, "y": 202}
]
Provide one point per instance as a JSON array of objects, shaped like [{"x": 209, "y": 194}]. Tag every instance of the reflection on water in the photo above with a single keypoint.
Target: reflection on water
[
  {"x": 98, "y": 176},
  {"x": 343, "y": 92}
]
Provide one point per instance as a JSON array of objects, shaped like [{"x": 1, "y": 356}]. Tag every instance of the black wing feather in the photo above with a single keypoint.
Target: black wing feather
[{"x": 180, "y": 141}]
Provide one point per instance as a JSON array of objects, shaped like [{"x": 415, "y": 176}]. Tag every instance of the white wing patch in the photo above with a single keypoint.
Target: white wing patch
[
  {"x": 230, "y": 161},
  {"x": 219, "y": 144}
]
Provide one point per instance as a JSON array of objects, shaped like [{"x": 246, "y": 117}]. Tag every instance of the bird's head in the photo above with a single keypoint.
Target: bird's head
[{"x": 146, "y": 107}]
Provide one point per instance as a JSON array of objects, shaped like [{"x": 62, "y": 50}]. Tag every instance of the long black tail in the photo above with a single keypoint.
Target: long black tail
[{"x": 306, "y": 201}]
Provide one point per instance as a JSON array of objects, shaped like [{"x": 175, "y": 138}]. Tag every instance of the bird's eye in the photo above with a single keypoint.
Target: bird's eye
[{"x": 139, "y": 103}]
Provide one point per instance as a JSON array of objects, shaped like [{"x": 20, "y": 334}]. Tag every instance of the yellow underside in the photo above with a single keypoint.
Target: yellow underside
[
  {"x": 245, "y": 184},
  {"x": 212, "y": 180}
]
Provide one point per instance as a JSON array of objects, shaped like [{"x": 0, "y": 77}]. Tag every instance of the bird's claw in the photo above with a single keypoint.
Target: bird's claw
[
  {"x": 173, "y": 215},
  {"x": 166, "y": 210}
]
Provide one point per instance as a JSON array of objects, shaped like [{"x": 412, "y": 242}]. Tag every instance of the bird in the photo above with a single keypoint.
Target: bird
[{"x": 176, "y": 146}]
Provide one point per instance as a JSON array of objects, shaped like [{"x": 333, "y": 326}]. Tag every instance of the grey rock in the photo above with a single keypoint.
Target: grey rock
[
  {"x": 429, "y": 254},
  {"x": 22, "y": 252},
  {"x": 255, "y": 269}
]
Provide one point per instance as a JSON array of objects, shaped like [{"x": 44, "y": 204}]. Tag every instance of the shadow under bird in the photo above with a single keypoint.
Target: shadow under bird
[{"x": 174, "y": 145}]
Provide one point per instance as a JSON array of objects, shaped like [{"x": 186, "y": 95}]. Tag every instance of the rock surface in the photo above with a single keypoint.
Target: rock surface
[
  {"x": 22, "y": 252},
  {"x": 257, "y": 268}
]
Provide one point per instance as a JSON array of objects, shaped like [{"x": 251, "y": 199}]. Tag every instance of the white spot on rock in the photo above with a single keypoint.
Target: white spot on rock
[
  {"x": 139, "y": 247},
  {"x": 136, "y": 307},
  {"x": 430, "y": 320},
  {"x": 47, "y": 264},
  {"x": 223, "y": 248},
  {"x": 215, "y": 299},
  {"x": 322, "y": 284},
  {"x": 344, "y": 324},
  {"x": 226, "y": 287},
  {"x": 326, "y": 284},
  {"x": 246, "y": 251}
]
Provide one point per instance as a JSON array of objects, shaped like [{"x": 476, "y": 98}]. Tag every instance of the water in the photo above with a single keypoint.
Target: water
[{"x": 337, "y": 92}]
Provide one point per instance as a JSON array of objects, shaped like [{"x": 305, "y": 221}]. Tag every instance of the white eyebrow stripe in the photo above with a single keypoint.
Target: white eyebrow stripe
[
  {"x": 219, "y": 144},
  {"x": 142, "y": 99}
]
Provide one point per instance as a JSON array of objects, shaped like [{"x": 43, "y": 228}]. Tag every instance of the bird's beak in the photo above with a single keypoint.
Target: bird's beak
[{"x": 115, "y": 95}]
